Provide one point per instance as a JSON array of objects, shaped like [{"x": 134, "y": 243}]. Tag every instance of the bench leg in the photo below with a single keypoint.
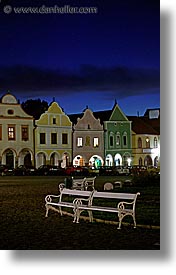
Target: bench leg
[
  {"x": 90, "y": 216},
  {"x": 134, "y": 219},
  {"x": 47, "y": 209}
]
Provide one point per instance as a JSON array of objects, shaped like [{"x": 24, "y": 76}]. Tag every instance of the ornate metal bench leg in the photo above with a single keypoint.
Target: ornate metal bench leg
[
  {"x": 120, "y": 220},
  {"x": 47, "y": 209},
  {"x": 134, "y": 219},
  {"x": 90, "y": 216}
]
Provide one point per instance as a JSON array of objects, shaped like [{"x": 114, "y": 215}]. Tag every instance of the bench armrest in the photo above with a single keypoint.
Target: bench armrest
[
  {"x": 49, "y": 198},
  {"x": 79, "y": 201},
  {"x": 122, "y": 205}
]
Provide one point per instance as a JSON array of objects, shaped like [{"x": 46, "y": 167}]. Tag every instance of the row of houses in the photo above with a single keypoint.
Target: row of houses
[{"x": 86, "y": 139}]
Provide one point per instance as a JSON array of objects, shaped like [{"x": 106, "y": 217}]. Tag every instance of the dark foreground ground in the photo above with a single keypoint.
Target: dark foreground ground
[{"x": 23, "y": 224}]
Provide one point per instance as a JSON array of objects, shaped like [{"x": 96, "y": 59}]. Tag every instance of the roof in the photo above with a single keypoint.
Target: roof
[{"x": 140, "y": 126}]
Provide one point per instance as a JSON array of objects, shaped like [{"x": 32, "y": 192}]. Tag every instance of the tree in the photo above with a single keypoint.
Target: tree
[{"x": 35, "y": 107}]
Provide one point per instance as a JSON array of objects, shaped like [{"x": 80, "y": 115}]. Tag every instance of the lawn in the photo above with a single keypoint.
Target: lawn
[{"x": 24, "y": 226}]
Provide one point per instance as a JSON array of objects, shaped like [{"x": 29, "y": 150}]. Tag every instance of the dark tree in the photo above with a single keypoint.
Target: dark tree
[{"x": 35, "y": 107}]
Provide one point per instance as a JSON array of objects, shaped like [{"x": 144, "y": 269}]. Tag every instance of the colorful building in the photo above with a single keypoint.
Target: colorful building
[
  {"x": 146, "y": 138},
  {"x": 16, "y": 133},
  {"x": 117, "y": 136},
  {"x": 88, "y": 139},
  {"x": 53, "y": 138}
]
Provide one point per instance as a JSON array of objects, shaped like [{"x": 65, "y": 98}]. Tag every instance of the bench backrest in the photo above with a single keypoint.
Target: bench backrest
[
  {"x": 74, "y": 193},
  {"x": 110, "y": 195}
]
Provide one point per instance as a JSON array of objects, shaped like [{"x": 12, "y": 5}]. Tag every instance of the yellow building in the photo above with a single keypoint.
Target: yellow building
[
  {"x": 145, "y": 141},
  {"x": 16, "y": 133},
  {"x": 53, "y": 138}
]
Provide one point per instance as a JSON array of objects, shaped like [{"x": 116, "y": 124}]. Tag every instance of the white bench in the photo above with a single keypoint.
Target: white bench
[
  {"x": 81, "y": 184},
  {"x": 125, "y": 205},
  {"x": 65, "y": 199}
]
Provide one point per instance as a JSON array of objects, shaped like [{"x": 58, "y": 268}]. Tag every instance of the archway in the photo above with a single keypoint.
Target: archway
[
  {"x": 54, "y": 159},
  {"x": 148, "y": 160},
  {"x": 118, "y": 160},
  {"x": 95, "y": 161},
  {"x": 78, "y": 161},
  {"x": 109, "y": 160},
  {"x": 40, "y": 159},
  {"x": 9, "y": 158}
]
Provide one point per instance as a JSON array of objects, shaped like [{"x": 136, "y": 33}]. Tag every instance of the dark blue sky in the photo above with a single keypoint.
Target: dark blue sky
[{"x": 83, "y": 59}]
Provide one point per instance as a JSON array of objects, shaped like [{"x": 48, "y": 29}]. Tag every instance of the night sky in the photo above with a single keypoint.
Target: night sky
[{"x": 83, "y": 59}]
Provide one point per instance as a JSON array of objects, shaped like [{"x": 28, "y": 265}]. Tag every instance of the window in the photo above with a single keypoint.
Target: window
[
  {"x": 124, "y": 139},
  {"x": 139, "y": 142},
  {"x": 24, "y": 132},
  {"x": 54, "y": 120},
  {"x": 87, "y": 143},
  {"x": 118, "y": 139},
  {"x": 0, "y": 132},
  {"x": 95, "y": 142},
  {"x": 11, "y": 132},
  {"x": 79, "y": 142},
  {"x": 10, "y": 112},
  {"x": 155, "y": 142},
  {"x": 64, "y": 138},
  {"x": 147, "y": 142},
  {"x": 111, "y": 141},
  {"x": 42, "y": 138},
  {"x": 53, "y": 138}
]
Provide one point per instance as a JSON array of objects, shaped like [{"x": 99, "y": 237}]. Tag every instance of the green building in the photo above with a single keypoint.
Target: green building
[{"x": 117, "y": 137}]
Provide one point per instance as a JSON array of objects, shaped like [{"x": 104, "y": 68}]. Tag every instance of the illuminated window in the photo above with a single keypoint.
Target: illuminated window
[
  {"x": 64, "y": 138},
  {"x": 147, "y": 142},
  {"x": 11, "y": 132},
  {"x": 118, "y": 139},
  {"x": 79, "y": 142},
  {"x": 53, "y": 138},
  {"x": 95, "y": 142},
  {"x": 24, "y": 132},
  {"x": 42, "y": 138},
  {"x": 155, "y": 142}
]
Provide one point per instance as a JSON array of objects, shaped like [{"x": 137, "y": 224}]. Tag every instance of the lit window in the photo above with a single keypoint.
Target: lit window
[
  {"x": 118, "y": 139},
  {"x": 147, "y": 142},
  {"x": 11, "y": 132},
  {"x": 24, "y": 132},
  {"x": 155, "y": 142},
  {"x": 79, "y": 142},
  {"x": 95, "y": 142}
]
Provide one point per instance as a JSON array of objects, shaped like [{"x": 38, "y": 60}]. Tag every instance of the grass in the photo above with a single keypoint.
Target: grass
[{"x": 24, "y": 226}]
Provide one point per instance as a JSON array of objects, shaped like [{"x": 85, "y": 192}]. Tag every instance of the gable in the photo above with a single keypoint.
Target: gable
[{"x": 117, "y": 114}]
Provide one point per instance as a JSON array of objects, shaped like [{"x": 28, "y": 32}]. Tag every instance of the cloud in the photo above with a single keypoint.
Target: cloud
[{"x": 116, "y": 81}]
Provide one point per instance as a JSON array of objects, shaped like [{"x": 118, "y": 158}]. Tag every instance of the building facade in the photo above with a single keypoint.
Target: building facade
[
  {"x": 16, "y": 133},
  {"x": 146, "y": 139},
  {"x": 53, "y": 138},
  {"x": 117, "y": 137},
  {"x": 88, "y": 140}
]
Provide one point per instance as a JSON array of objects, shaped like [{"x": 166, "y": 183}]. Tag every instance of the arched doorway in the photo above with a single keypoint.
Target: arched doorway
[
  {"x": 78, "y": 161},
  {"x": 9, "y": 158},
  {"x": 95, "y": 161},
  {"x": 109, "y": 160},
  {"x": 40, "y": 159},
  {"x": 148, "y": 161},
  {"x": 118, "y": 160},
  {"x": 27, "y": 160},
  {"x": 54, "y": 159}
]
